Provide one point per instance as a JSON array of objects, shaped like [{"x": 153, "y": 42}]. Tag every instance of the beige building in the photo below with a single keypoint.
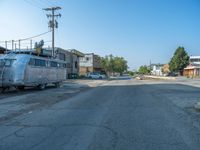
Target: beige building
[
  {"x": 165, "y": 69},
  {"x": 90, "y": 63},
  {"x": 72, "y": 57},
  {"x": 193, "y": 70}
]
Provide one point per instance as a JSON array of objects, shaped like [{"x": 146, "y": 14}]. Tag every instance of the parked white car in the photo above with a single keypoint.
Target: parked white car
[{"x": 96, "y": 76}]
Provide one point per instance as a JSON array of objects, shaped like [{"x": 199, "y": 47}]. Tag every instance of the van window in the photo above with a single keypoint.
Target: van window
[
  {"x": 39, "y": 62},
  {"x": 1, "y": 62},
  {"x": 32, "y": 62},
  {"x": 8, "y": 62},
  {"x": 62, "y": 65},
  {"x": 68, "y": 65},
  {"x": 53, "y": 64},
  {"x": 65, "y": 66},
  {"x": 48, "y": 64}
]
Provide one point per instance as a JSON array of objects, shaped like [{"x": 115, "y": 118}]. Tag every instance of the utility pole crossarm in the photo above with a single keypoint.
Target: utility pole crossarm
[{"x": 52, "y": 8}]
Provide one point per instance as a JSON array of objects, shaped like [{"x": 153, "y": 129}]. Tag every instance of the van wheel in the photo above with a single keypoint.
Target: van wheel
[
  {"x": 42, "y": 86},
  {"x": 57, "y": 85},
  {"x": 20, "y": 88},
  {"x": 2, "y": 90}
]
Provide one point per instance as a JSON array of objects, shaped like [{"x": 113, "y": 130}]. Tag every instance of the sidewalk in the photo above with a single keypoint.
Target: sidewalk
[
  {"x": 195, "y": 82},
  {"x": 84, "y": 82}
]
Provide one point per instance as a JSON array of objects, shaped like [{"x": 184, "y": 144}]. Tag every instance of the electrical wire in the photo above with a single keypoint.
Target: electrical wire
[
  {"x": 49, "y": 2},
  {"x": 26, "y": 38},
  {"x": 39, "y": 2},
  {"x": 35, "y": 36},
  {"x": 44, "y": 3},
  {"x": 33, "y": 4}
]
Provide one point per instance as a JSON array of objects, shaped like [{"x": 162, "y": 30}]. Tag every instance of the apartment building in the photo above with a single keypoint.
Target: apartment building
[
  {"x": 71, "y": 57},
  {"x": 90, "y": 63}
]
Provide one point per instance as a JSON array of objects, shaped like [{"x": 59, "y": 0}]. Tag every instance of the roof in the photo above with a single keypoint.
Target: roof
[
  {"x": 192, "y": 67},
  {"x": 194, "y": 57},
  {"x": 158, "y": 65},
  {"x": 76, "y": 52}
]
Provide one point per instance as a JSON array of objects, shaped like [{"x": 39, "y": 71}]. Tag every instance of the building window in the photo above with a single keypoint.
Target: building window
[
  {"x": 62, "y": 56},
  {"x": 76, "y": 64},
  {"x": 68, "y": 65}
]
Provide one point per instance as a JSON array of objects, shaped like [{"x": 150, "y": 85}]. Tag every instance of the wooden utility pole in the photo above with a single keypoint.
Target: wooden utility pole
[{"x": 53, "y": 23}]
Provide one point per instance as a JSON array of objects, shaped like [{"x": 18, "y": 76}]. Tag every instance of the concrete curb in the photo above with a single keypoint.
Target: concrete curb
[{"x": 159, "y": 77}]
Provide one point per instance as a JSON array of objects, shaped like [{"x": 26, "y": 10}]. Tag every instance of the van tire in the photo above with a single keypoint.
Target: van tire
[
  {"x": 20, "y": 88},
  {"x": 2, "y": 90},
  {"x": 57, "y": 84},
  {"x": 41, "y": 86}
]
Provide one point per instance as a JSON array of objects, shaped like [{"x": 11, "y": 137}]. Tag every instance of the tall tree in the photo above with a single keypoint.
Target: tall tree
[{"x": 179, "y": 60}]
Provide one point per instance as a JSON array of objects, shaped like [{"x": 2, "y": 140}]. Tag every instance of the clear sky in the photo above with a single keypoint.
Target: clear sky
[{"x": 138, "y": 30}]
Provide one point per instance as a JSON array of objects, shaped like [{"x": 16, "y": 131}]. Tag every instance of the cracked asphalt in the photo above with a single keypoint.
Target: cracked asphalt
[{"x": 116, "y": 115}]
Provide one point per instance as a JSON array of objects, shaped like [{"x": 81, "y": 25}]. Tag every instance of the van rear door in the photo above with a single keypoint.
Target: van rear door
[{"x": 2, "y": 67}]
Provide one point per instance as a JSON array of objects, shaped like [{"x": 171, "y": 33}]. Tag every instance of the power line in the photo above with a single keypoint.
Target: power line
[
  {"x": 35, "y": 36},
  {"x": 48, "y": 3},
  {"x": 53, "y": 4},
  {"x": 33, "y": 4},
  {"x": 39, "y": 2}
]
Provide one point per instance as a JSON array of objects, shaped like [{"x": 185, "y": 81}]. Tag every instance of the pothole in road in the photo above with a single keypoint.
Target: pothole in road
[{"x": 81, "y": 135}]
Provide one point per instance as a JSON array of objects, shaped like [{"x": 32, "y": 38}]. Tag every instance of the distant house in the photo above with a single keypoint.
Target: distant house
[
  {"x": 157, "y": 69},
  {"x": 193, "y": 69},
  {"x": 90, "y": 63}
]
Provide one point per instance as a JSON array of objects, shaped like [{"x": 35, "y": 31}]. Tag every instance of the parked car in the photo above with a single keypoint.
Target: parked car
[
  {"x": 96, "y": 76},
  {"x": 172, "y": 74}
]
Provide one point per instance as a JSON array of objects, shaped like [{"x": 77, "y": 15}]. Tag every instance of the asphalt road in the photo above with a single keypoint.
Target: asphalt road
[{"x": 118, "y": 115}]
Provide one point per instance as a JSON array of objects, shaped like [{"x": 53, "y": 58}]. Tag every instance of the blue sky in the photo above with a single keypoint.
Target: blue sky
[{"x": 138, "y": 30}]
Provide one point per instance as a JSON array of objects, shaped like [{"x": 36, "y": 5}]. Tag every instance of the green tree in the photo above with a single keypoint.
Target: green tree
[
  {"x": 144, "y": 70},
  {"x": 179, "y": 60},
  {"x": 131, "y": 73},
  {"x": 113, "y": 64},
  {"x": 120, "y": 65}
]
